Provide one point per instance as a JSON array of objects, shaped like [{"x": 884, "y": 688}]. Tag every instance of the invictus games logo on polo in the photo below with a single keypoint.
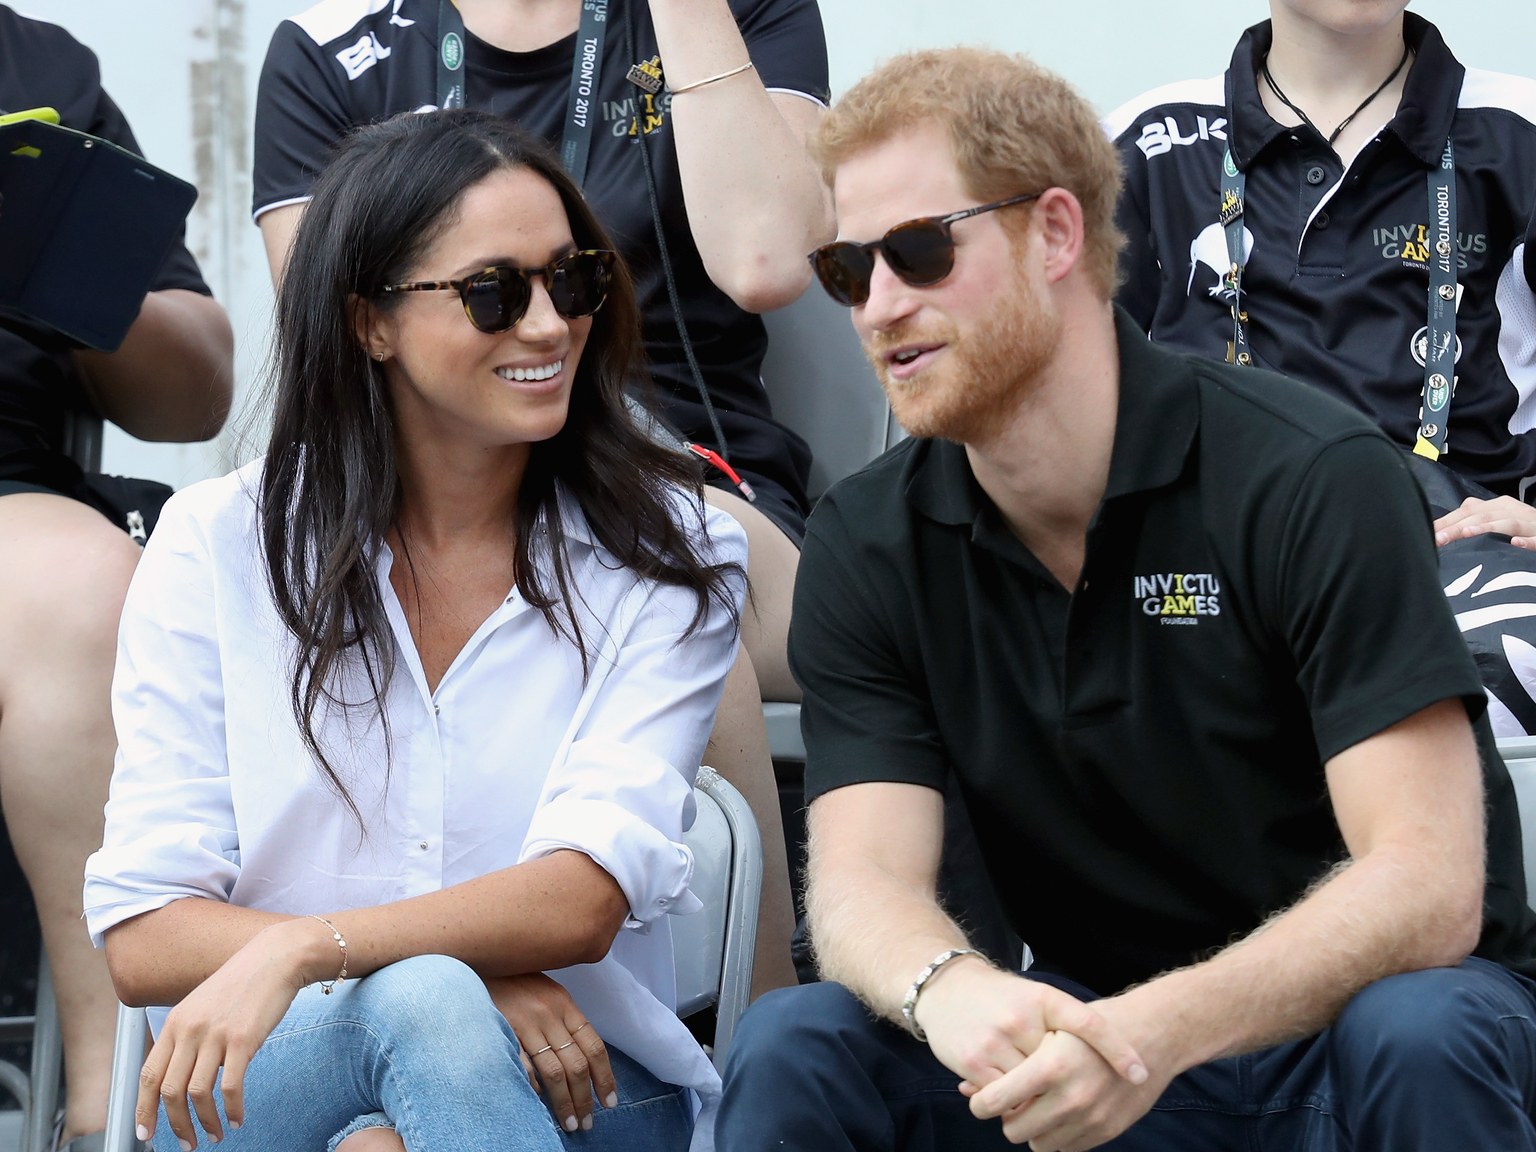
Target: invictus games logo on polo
[{"x": 1178, "y": 597}]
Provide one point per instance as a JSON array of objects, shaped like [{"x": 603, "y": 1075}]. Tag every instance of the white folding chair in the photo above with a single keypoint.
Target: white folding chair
[
  {"x": 123, "y": 1095},
  {"x": 822, "y": 386},
  {"x": 37, "y": 1089},
  {"x": 714, "y": 947}
]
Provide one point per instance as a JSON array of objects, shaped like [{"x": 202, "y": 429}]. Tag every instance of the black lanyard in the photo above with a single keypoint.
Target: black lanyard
[
  {"x": 586, "y": 72},
  {"x": 1440, "y": 332}
]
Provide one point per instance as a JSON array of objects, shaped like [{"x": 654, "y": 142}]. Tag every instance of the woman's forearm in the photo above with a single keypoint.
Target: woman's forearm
[{"x": 548, "y": 913}]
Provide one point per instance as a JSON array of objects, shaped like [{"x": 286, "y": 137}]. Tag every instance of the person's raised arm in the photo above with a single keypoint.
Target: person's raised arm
[{"x": 756, "y": 204}]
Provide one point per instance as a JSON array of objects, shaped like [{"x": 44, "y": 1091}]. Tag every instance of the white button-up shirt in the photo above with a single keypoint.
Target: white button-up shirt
[{"x": 515, "y": 755}]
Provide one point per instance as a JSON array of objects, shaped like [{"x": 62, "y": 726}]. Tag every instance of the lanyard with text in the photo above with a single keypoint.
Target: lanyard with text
[
  {"x": 1233, "y": 185},
  {"x": 586, "y": 71},
  {"x": 1440, "y": 332},
  {"x": 1440, "y": 335}
]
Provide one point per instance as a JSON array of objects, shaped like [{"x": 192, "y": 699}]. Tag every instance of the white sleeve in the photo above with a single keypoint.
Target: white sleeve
[
  {"x": 170, "y": 825},
  {"x": 621, "y": 790}
]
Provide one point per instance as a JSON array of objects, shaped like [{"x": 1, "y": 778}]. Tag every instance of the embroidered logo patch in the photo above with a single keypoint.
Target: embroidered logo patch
[{"x": 1178, "y": 597}]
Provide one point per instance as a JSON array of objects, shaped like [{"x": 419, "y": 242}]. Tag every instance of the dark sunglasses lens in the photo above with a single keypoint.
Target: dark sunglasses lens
[
  {"x": 496, "y": 300},
  {"x": 578, "y": 283},
  {"x": 844, "y": 270},
  {"x": 919, "y": 251}
]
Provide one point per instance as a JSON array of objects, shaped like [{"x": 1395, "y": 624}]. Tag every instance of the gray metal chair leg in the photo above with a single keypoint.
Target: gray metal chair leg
[{"x": 47, "y": 1065}]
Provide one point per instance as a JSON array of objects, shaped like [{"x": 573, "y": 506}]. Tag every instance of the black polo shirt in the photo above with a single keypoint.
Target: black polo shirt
[
  {"x": 1337, "y": 277},
  {"x": 1143, "y": 758}
]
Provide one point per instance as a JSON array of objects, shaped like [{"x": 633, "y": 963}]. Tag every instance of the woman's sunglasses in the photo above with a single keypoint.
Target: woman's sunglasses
[
  {"x": 921, "y": 252},
  {"x": 496, "y": 298}
]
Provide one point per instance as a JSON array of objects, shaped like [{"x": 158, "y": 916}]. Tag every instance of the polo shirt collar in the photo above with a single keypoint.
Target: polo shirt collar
[
  {"x": 1424, "y": 115},
  {"x": 1157, "y": 414}
]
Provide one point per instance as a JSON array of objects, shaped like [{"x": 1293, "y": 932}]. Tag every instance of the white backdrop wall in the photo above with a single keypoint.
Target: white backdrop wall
[{"x": 185, "y": 73}]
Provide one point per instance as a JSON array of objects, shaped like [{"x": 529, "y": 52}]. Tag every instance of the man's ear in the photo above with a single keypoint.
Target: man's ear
[
  {"x": 373, "y": 328},
  {"x": 1058, "y": 217}
]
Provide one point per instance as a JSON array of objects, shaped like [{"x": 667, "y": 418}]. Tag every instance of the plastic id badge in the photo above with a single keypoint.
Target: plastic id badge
[{"x": 84, "y": 227}]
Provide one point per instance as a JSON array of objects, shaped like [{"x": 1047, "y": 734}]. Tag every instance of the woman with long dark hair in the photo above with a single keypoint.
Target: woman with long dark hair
[{"x": 409, "y": 710}]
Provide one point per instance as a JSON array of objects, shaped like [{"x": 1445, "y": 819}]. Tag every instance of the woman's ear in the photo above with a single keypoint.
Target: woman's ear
[{"x": 372, "y": 327}]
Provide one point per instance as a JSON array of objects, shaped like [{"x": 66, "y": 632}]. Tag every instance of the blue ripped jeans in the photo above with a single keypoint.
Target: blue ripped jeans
[{"x": 419, "y": 1047}]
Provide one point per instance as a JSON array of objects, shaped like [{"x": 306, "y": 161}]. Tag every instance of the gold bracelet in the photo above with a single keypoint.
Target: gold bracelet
[
  {"x": 710, "y": 80},
  {"x": 329, "y": 986}
]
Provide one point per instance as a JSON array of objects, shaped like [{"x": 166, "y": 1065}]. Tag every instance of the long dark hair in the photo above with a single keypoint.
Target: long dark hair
[{"x": 330, "y": 487}]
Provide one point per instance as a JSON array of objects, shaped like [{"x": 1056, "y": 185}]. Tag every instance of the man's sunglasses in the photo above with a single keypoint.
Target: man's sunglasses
[
  {"x": 920, "y": 251},
  {"x": 497, "y": 298}
]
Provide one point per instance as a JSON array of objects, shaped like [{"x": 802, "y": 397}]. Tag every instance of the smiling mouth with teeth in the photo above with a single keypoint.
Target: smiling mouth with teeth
[
  {"x": 544, "y": 372},
  {"x": 906, "y": 357}
]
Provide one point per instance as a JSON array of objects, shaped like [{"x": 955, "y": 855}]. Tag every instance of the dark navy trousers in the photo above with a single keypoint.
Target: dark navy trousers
[{"x": 1442, "y": 1060}]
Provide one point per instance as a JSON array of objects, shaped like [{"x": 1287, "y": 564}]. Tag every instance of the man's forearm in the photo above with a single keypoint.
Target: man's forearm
[
  {"x": 873, "y": 934},
  {"x": 874, "y": 916},
  {"x": 1369, "y": 919}
]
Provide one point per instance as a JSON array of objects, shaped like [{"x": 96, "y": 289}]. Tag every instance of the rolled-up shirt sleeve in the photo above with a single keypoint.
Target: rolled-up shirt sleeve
[
  {"x": 621, "y": 791},
  {"x": 170, "y": 822}
]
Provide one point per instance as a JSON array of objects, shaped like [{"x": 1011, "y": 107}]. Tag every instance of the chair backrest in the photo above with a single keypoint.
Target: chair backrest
[
  {"x": 822, "y": 387},
  {"x": 715, "y": 946},
  {"x": 1519, "y": 754}
]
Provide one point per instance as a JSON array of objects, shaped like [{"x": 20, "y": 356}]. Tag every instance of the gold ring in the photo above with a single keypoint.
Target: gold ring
[
  {"x": 583, "y": 1024},
  {"x": 564, "y": 1046},
  {"x": 541, "y": 1051}
]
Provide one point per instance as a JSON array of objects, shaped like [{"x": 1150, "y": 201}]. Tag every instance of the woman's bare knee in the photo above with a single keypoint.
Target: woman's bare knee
[
  {"x": 373, "y": 1140},
  {"x": 771, "y": 567}
]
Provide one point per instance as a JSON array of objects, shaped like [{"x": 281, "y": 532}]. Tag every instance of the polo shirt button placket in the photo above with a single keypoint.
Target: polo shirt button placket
[{"x": 1316, "y": 174}]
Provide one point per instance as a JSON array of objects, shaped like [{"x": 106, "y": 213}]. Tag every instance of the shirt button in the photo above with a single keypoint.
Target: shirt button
[
  {"x": 1316, "y": 174},
  {"x": 663, "y": 902},
  {"x": 1321, "y": 221},
  {"x": 437, "y": 709},
  {"x": 423, "y": 845}
]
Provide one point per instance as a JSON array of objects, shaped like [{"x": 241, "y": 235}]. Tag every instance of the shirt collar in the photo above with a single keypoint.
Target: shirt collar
[
  {"x": 1157, "y": 414},
  {"x": 1423, "y": 118}
]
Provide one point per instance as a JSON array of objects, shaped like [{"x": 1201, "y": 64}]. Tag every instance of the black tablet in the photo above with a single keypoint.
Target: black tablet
[{"x": 84, "y": 227}]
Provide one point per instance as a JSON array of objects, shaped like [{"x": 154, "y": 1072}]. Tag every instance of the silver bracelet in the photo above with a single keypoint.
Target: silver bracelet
[
  {"x": 329, "y": 986},
  {"x": 909, "y": 1004},
  {"x": 709, "y": 80}
]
